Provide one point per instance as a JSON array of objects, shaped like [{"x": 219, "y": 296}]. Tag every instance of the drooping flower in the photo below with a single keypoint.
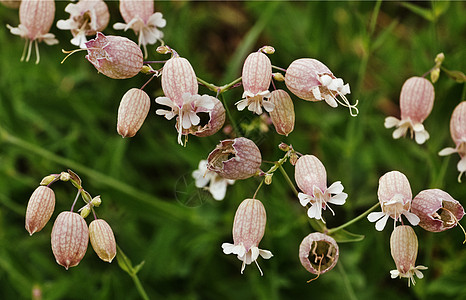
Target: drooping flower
[
  {"x": 395, "y": 200},
  {"x": 318, "y": 253},
  {"x": 282, "y": 115},
  {"x": 102, "y": 240},
  {"x": 211, "y": 124},
  {"x": 403, "y": 247},
  {"x": 87, "y": 17},
  {"x": 186, "y": 111},
  {"x": 458, "y": 134},
  {"x": 311, "y": 80},
  {"x": 70, "y": 237},
  {"x": 132, "y": 112},
  {"x": 416, "y": 102},
  {"x": 437, "y": 210},
  {"x": 140, "y": 16},
  {"x": 40, "y": 209},
  {"x": 256, "y": 78},
  {"x": 114, "y": 56},
  {"x": 311, "y": 178},
  {"x": 248, "y": 230},
  {"x": 36, "y": 19},
  {"x": 217, "y": 184},
  {"x": 236, "y": 159}
]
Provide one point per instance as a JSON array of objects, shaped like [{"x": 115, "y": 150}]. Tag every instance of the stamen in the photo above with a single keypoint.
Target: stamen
[
  {"x": 24, "y": 50},
  {"x": 29, "y": 50},
  {"x": 262, "y": 274},
  {"x": 36, "y": 44},
  {"x": 71, "y": 52}
]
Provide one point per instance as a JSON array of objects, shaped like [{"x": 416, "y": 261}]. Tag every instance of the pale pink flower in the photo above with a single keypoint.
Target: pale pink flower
[
  {"x": 256, "y": 78},
  {"x": 87, "y": 17},
  {"x": 458, "y": 134},
  {"x": 416, "y": 102},
  {"x": 395, "y": 200},
  {"x": 139, "y": 16},
  {"x": 248, "y": 230},
  {"x": 217, "y": 184},
  {"x": 36, "y": 19},
  {"x": 403, "y": 247},
  {"x": 311, "y": 178},
  {"x": 311, "y": 80}
]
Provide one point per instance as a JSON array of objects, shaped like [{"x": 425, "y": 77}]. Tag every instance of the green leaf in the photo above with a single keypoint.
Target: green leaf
[
  {"x": 423, "y": 12},
  {"x": 138, "y": 267},
  {"x": 440, "y": 7},
  {"x": 344, "y": 236},
  {"x": 124, "y": 262}
]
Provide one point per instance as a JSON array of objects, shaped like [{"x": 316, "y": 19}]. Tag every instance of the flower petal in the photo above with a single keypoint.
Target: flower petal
[
  {"x": 304, "y": 199},
  {"x": 447, "y": 151},
  {"x": 374, "y": 216},
  {"x": 412, "y": 218},
  {"x": 380, "y": 225},
  {"x": 338, "y": 199},
  {"x": 266, "y": 254},
  {"x": 335, "y": 188},
  {"x": 391, "y": 122}
]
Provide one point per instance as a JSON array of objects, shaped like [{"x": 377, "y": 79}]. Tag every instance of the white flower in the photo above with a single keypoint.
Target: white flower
[
  {"x": 410, "y": 274},
  {"x": 318, "y": 200},
  {"x": 218, "y": 184},
  {"x": 247, "y": 257},
  {"x": 398, "y": 205},
  {"x": 416, "y": 129},
  {"x": 187, "y": 112},
  {"x": 254, "y": 102}
]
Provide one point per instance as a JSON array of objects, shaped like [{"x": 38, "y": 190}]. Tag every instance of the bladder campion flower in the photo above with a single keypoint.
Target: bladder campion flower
[
  {"x": 40, "y": 209},
  {"x": 256, "y": 78},
  {"x": 248, "y": 230},
  {"x": 87, "y": 17},
  {"x": 403, "y": 247},
  {"x": 282, "y": 115},
  {"x": 140, "y": 16},
  {"x": 416, "y": 102},
  {"x": 395, "y": 199},
  {"x": 311, "y": 80},
  {"x": 217, "y": 184},
  {"x": 311, "y": 178},
  {"x": 132, "y": 112},
  {"x": 36, "y": 19},
  {"x": 318, "y": 253},
  {"x": 437, "y": 210},
  {"x": 458, "y": 134},
  {"x": 235, "y": 159},
  {"x": 102, "y": 240},
  {"x": 211, "y": 124},
  {"x": 70, "y": 237}
]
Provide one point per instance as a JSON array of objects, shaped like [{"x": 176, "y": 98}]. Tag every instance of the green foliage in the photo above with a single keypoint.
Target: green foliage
[{"x": 57, "y": 116}]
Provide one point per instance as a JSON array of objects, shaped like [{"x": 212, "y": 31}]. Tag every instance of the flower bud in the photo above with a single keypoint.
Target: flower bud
[
  {"x": 403, "y": 247},
  {"x": 96, "y": 201},
  {"x": 70, "y": 237},
  {"x": 132, "y": 112},
  {"x": 437, "y": 210},
  {"x": 248, "y": 230},
  {"x": 64, "y": 176},
  {"x": 40, "y": 209},
  {"x": 115, "y": 56},
  {"x": 178, "y": 77},
  {"x": 102, "y": 240},
  {"x": 283, "y": 113},
  {"x": 318, "y": 253},
  {"x": 85, "y": 211},
  {"x": 48, "y": 180},
  {"x": 235, "y": 159}
]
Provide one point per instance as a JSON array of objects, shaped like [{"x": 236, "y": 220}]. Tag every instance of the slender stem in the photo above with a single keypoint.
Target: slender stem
[
  {"x": 75, "y": 199},
  {"x": 147, "y": 82},
  {"x": 230, "y": 85},
  {"x": 134, "y": 276},
  {"x": 210, "y": 86},
  {"x": 230, "y": 117},
  {"x": 346, "y": 282},
  {"x": 333, "y": 230},
  {"x": 287, "y": 178},
  {"x": 258, "y": 188},
  {"x": 278, "y": 68}
]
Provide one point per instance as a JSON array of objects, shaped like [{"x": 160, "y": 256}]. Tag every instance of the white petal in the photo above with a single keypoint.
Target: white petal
[
  {"x": 193, "y": 118},
  {"x": 336, "y": 84},
  {"x": 157, "y": 20},
  {"x": 394, "y": 273},
  {"x": 325, "y": 80},
  {"x": 418, "y": 127},
  {"x": 266, "y": 254},
  {"x": 345, "y": 90},
  {"x": 412, "y": 218},
  {"x": 241, "y": 105},
  {"x": 268, "y": 106},
  {"x": 316, "y": 93},
  {"x": 380, "y": 225},
  {"x": 462, "y": 165},
  {"x": 254, "y": 253},
  {"x": 391, "y": 122},
  {"x": 421, "y": 136},
  {"x": 186, "y": 123},
  {"x": 331, "y": 101},
  {"x": 399, "y": 132},
  {"x": 218, "y": 188},
  {"x": 418, "y": 273},
  {"x": 119, "y": 26},
  {"x": 338, "y": 199},
  {"x": 447, "y": 151},
  {"x": 315, "y": 211},
  {"x": 304, "y": 199},
  {"x": 374, "y": 216},
  {"x": 206, "y": 102},
  {"x": 255, "y": 107},
  {"x": 335, "y": 188},
  {"x": 228, "y": 248},
  {"x": 165, "y": 101}
]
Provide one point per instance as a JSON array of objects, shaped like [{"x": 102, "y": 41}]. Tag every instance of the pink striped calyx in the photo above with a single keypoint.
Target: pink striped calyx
[
  {"x": 235, "y": 159},
  {"x": 40, "y": 208},
  {"x": 102, "y": 240},
  {"x": 70, "y": 237},
  {"x": 416, "y": 102},
  {"x": 132, "y": 112},
  {"x": 283, "y": 116},
  {"x": 248, "y": 230}
]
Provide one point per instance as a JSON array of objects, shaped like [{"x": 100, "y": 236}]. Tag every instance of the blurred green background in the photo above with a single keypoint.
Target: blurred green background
[{"x": 56, "y": 116}]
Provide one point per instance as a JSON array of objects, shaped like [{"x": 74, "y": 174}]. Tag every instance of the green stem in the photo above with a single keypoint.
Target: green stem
[
  {"x": 333, "y": 230},
  {"x": 230, "y": 117},
  {"x": 210, "y": 86},
  {"x": 346, "y": 282},
  {"x": 133, "y": 276},
  {"x": 287, "y": 178},
  {"x": 228, "y": 86},
  {"x": 258, "y": 188},
  {"x": 163, "y": 208}
]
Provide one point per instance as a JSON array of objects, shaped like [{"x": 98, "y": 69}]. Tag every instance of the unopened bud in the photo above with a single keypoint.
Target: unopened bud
[
  {"x": 284, "y": 147},
  {"x": 47, "y": 180},
  {"x": 278, "y": 76},
  {"x": 96, "y": 201},
  {"x": 293, "y": 158},
  {"x": 64, "y": 176},
  {"x": 268, "y": 179},
  {"x": 439, "y": 58},
  {"x": 84, "y": 212},
  {"x": 268, "y": 49},
  {"x": 102, "y": 240},
  {"x": 163, "y": 49},
  {"x": 70, "y": 237}
]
